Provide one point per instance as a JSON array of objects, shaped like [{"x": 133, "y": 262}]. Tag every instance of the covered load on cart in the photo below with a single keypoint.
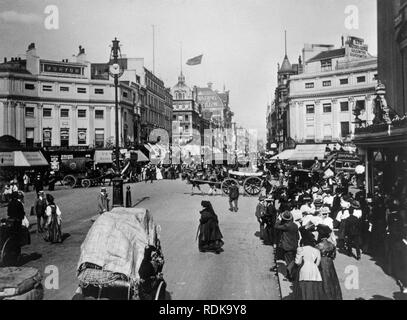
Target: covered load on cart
[{"x": 121, "y": 257}]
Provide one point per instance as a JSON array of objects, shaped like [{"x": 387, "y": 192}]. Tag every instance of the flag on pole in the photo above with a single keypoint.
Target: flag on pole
[{"x": 194, "y": 61}]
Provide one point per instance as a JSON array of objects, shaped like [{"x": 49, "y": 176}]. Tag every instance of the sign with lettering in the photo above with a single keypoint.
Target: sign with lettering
[
  {"x": 57, "y": 68},
  {"x": 6, "y": 159},
  {"x": 357, "y": 47}
]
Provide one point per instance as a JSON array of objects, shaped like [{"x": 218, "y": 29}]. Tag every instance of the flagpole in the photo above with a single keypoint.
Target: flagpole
[
  {"x": 180, "y": 62},
  {"x": 153, "y": 49}
]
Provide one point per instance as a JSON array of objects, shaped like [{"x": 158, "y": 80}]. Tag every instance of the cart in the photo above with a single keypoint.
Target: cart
[
  {"x": 121, "y": 258},
  {"x": 251, "y": 181},
  {"x": 12, "y": 237}
]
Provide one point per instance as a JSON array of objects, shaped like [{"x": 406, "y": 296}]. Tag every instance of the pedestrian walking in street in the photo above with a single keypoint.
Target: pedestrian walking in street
[
  {"x": 38, "y": 184},
  {"x": 308, "y": 285},
  {"x": 260, "y": 212},
  {"x": 352, "y": 231},
  {"x": 209, "y": 235},
  {"x": 40, "y": 206},
  {"x": 15, "y": 208},
  {"x": 288, "y": 240},
  {"x": 26, "y": 181},
  {"x": 233, "y": 197},
  {"x": 330, "y": 281},
  {"x": 103, "y": 201},
  {"x": 53, "y": 213}
]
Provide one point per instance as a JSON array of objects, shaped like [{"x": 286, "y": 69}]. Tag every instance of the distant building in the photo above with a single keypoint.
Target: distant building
[
  {"x": 335, "y": 86},
  {"x": 46, "y": 103}
]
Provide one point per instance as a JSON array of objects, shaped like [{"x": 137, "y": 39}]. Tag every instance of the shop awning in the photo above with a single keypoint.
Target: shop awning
[
  {"x": 285, "y": 155},
  {"x": 305, "y": 152},
  {"x": 22, "y": 159},
  {"x": 103, "y": 156},
  {"x": 141, "y": 156}
]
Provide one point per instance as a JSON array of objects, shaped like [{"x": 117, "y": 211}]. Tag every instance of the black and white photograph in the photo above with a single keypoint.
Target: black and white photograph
[{"x": 203, "y": 151}]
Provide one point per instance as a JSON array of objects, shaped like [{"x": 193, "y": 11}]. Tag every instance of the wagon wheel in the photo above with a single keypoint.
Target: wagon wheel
[
  {"x": 226, "y": 184},
  {"x": 10, "y": 252},
  {"x": 86, "y": 183},
  {"x": 69, "y": 181},
  {"x": 252, "y": 186}
]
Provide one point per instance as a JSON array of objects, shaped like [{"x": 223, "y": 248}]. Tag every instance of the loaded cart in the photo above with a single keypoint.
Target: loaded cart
[
  {"x": 20, "y": 284},
  {"x": 121, "y": 258}
]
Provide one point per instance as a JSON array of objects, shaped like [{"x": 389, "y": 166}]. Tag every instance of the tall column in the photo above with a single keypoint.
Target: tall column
[
  {"x": 56, "y": 133},
  {"x": 334, "y": 121},
  {"x": 19, "y": 116},
  {"x": 12, "y": 118},
  {"x": 91, "y": 133},
  {"x": 317, "y": 121},
  {"x": 39, "y": 124},
  {"x": 109, "y": 122},
  {"x": 74, "y": 127}
]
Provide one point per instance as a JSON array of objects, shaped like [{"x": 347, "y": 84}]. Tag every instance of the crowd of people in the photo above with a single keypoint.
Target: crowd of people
[{"x": 309, "y": 222}]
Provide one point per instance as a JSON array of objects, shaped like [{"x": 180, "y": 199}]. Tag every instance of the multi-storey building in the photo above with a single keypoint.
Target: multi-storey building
[
  {"x": 58, "y": 103},
  {"x": 186, "y": 112},
  {"x": 333, "y": 94}
]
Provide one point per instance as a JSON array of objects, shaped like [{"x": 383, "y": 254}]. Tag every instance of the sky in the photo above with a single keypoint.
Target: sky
[{"x": 241, "y": 40}]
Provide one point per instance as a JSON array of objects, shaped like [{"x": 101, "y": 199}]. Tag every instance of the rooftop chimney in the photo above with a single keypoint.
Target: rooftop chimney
[
  {"x": 210, "y": 85},
  {"x": 33, "y": 61},
  {"x": 5, "y": 59},
  {"x": 81, "y": 57}
]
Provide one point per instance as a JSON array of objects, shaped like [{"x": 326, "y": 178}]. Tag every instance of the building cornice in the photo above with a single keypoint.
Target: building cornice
[{"x": 365, "y": 90}]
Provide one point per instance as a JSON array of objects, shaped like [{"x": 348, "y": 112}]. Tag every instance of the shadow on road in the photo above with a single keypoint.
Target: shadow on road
[
  {"x": 138, "y": 201},
  {"x": 25, "y": 258}
]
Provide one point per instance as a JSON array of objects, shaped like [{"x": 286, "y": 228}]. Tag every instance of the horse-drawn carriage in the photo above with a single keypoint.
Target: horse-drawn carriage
[
  {"x": 251, "y": 182},
  {"x": 121, "y": 258}
]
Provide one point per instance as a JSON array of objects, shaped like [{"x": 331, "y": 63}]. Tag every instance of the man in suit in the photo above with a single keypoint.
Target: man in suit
[
  {"x": 288, "y": 240},
  {"x": 40, "y": 205},
  {"x": 103, "y": 201},
  {"x": 352, "y": 231}
]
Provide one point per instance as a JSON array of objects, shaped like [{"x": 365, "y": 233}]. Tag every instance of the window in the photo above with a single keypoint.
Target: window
[
  {"x": 174, "y": 117},
  {"x": 375, "y": 77},
  {"x": 29, "y": 137},
  {"x": 47, "y": 87},
  {"x": 100, "y": 138},
  {"x": 186, "y": 118},
  {"x": 326, "y": 83},
  {"x": 310, "y": 132},
  {"x": 81, "y": 90},
  {"x": 326, "y": 65},
  {"x": 29, "y": 86},
  {"x": 64, "y": 113},
  {"x": 81, "y": 113},
  {"x": 344, "y": 81},
  {"x": 360, "y": 104},
  {"x": 99, "y": 91},
  {"x": 99, "y": 114},
  {"x": 310, "y": 109},
  {"x": 309, "y": 85},
  {"x": 81, "y": 136},
  {"x": 64, "y": 89},
  {"x": 125, "y": 116},
  {"x": 46, "y": 137},
  {"x": 64, "y": 137},
  {"x": 361, "y": 79},
  {"x": 125, "y": 94},
  {"x": 344, "y": 129},
  {"x": 327, "y": 108},
  {"x": 29, "y": 112},
  {"x": 344, "y": 106},
  {"x": 47, "y": 112}
]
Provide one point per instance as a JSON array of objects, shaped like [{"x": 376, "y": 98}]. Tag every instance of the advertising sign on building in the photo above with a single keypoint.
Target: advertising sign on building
[
  {"x": 57, "y": 68},
  {"x": 357, "y": 47}
]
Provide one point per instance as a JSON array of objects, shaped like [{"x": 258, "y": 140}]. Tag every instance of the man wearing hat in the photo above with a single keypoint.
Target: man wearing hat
[
  {"x": 103, "y": 201},
  {"x": 352, "y": 233},
  {"x": 260, "y": 212},
  {"x": 40, "y": 205},
  {"x": 288, "y": 240}
]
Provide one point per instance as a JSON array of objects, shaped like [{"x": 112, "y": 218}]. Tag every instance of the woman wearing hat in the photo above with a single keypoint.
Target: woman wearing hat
[
  {"x": 330, "y": 281},
  {"x": 308, "y": 285},
  {"x": 209, "y": 235}
]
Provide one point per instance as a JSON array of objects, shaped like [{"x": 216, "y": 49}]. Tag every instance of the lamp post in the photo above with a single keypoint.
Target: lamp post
[{"x": 116, "y": 71}]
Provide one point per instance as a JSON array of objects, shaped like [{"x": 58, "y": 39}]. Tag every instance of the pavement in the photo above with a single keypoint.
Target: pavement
[
  {"x": 240, "y": 272},
  {"x": 362, "y": 279}
]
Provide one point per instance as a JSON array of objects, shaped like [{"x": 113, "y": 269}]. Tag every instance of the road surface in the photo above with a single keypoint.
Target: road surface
[{"x": 240, "y": 272}]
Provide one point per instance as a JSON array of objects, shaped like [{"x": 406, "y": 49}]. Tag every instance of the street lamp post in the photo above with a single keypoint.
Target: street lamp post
[{"x": 115, "y": 71}]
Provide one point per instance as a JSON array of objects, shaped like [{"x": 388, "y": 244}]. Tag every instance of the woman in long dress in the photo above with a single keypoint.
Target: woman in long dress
[
  {"x": 330, "y": 281},
  {"x": 209, "y": 235},
  {"x": 54, "y": 234},
  {"x": 308, "y": 285},
  {"x": 159, "y": 174}
]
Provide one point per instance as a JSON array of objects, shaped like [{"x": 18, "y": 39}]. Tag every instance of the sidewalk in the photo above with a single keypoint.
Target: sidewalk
[{"x": 359, "y": 280}]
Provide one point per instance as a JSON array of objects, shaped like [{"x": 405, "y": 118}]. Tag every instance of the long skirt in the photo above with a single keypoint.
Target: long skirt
[
  {"x": 309, "y": 290},
  {"x": 54, "y": 234},
  {"x": 268, "y": 235},
  {"x": 330, "y": 281}
]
